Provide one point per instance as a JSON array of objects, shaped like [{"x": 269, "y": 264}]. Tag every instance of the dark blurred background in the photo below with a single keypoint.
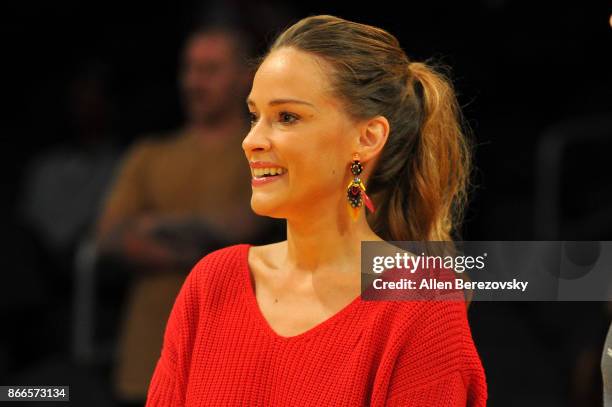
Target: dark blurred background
[{"x": 535, "y": 83}]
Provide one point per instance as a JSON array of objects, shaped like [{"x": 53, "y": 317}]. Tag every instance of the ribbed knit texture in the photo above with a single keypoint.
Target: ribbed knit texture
[{"x": 220, "y": 351}]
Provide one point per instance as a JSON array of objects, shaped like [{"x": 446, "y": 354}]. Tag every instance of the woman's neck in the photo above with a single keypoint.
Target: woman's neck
[{"x": 329, "y": 241}]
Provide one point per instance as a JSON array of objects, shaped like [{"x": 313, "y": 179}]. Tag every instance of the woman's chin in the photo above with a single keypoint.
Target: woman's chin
[{"x": 265, "y": 208}]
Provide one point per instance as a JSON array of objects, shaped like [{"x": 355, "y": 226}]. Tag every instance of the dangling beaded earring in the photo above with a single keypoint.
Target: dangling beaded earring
[{"x": 356, "y": 191}]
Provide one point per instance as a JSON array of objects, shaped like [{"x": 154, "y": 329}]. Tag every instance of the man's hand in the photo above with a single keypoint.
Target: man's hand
[{"x": 152, "y": 242}]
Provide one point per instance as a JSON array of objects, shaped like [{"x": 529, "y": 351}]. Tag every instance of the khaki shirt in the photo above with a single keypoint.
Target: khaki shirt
[{"x": 184, "y": 175}]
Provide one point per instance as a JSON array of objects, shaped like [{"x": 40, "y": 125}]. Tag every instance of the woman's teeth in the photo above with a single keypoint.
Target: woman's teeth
[{"x": 262, "y": 172}]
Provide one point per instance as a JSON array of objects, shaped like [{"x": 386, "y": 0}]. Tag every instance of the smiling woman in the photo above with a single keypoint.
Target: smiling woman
[{"x": 333, "y": 103}]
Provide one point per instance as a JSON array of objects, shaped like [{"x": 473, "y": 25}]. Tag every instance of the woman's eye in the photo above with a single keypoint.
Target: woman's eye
[
  {"x": 284, "y": 117},
  {"x": 252, "y": 118},
  {"x": 287, "y": 117}
]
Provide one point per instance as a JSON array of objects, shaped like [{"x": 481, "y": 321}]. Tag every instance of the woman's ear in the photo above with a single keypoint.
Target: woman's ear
[{"x": 372, "y": 138}]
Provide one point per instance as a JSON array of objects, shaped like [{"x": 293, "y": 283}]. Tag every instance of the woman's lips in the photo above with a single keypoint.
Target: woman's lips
[{"x": 258, "y": 181}]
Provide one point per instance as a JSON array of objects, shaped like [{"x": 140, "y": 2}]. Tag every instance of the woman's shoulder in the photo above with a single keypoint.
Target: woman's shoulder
[
  {"x": 223, "y": 257},
  {"x": 238, "y": 255},
  {"x": 217, "y": 265},
  {"x": 233, "y": 260},
  {"x": 407, "y": 320},
  {"x": 441, "y": 319}
]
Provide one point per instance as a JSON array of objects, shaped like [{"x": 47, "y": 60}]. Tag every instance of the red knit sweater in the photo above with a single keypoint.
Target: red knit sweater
[{"x": 220, "y": 351}]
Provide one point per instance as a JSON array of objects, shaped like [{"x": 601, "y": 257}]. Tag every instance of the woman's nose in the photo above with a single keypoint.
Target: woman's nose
[{"x": 255, "y": 140}]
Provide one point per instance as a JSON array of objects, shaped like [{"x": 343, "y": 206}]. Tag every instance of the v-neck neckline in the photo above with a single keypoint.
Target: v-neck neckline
[{"x": 263, "y": 323}]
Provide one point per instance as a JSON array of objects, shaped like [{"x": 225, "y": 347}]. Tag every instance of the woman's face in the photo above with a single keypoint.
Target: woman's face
[{"x": 297, "y": 126}]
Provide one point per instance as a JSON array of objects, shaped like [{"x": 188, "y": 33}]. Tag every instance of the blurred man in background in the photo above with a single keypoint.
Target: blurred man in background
[{"x": 178, "y": 197}]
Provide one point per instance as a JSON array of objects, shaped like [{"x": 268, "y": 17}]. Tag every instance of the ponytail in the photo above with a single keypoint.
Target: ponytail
[{"x": 426, "y": 202}]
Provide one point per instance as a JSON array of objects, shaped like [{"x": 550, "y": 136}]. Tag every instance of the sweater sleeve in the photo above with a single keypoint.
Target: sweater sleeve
[
  {"x": 168, "y": 383},
  {"x": 438, "y": 364}
]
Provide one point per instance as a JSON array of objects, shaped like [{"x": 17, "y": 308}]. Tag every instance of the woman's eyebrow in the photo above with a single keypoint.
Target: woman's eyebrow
[{"x": 282, "y": 101}]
